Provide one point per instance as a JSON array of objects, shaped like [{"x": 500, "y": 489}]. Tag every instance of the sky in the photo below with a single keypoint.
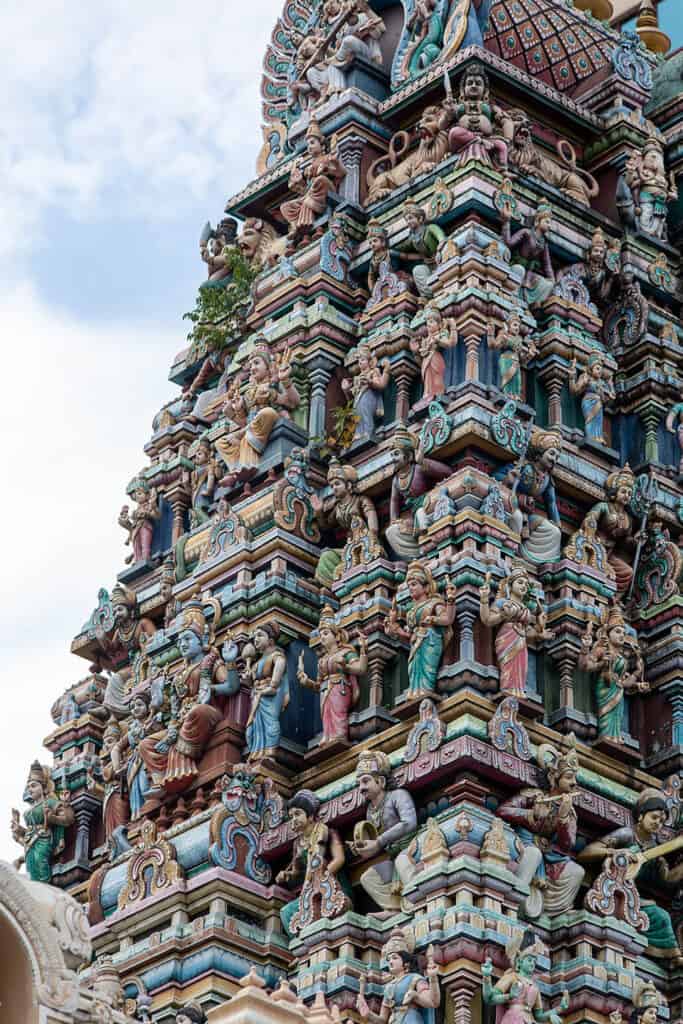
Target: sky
[{"x": 123, "y": 128}]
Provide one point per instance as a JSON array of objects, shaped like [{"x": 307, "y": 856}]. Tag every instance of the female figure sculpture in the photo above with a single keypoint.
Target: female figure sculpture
[
  {"x": 594, "y": 385},
  {"x": 409, "y": 997},
  {"x": 366, "y": 390},
  {"x": 356, "y": 514},
  {"x": 313, "y": 183},
  {"x": 521, "y": 618},
  {"x": 115, "y": 809},
  {"x": 137, "y": 728},
  {"x": 339, "y": 666},
  {"x": 531, "y": 251},
  {"x": 618, "y": 663},
  {"x": 267, "y": 676},
  {"x": 515, "y": 351},
  {"x": 427, "y": 346},
  {"x": 517, "y": 994},
  {"x": 42, "y": 834},
  {"x": 140, "y": 522},
  {"x": 411, "y": 492},
  {"x": 541, "y": 535},
  {"x": 614, "y": 524},
  {"x": 428, "y": 628}
]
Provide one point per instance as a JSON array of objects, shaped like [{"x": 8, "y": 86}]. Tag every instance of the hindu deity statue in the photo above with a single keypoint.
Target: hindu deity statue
[
  {"x": 531, "y": 251},
  {"x": 674, "y": 424},
  {"x": 126, "y": 640},
  {"x": 521, "y": 616},
  {"x": 659, "y": 570},
  {"x": 533, "y": 477},
  {"x": 409, "y": 997},
  {"x": 45, "y": 822},
  {"x": 599, "y": 271},
  {"x": 269, "y": 396},
  {"x": 614, "y": 524},
  {"x": 517, "y": 994},
  {"x": 428, "y": 628},
  {"x": 212, "y": 249},
  {"x": 317, "y": 864},
  {"x": 421, "y": 247},
  {"x": 482, "y": 131},
  {"x": 366, "y": 390},
  {"x": 545, "y": 821},
  {"x": 428, "y": 344},
  {"x": 384, "y": 277},
  {"x": 516, "y": 350},
  {"x": 648, "y": 868},
  {"x": 266, "y": 674},
  {"x": 413, "y": 480},
  {"x": 646, "y": 191},
  {"x": 596, "y": 388},
  {"x": 115, "y": 807},
  {"x": 313, "y": 181},
  {"x": 615, "y": 657},
  {"x": 646, "y": 1003},
  {"x": 125, "y": 752},
  {"x": 191, "y": 1013},
  {"x": 356, "y": 514},
  {"x": 339, "y": 665},
  {"x": 426, "y": 26},
  {"x": 390, "y": 817},
  {"x": 140, "y": 522},
  {"x": 201, "y": 480}
]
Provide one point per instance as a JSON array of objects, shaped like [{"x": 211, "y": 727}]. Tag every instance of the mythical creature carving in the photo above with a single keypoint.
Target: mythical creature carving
[
  {"x": 152, "y": 868},
  {"x": 292, "y": 507},
  {"x": 237, "y": 823},
  {"x": 432, "y": 148},
  {"x": 45, "y": 822},
  {"x": 527, "y": 158},
  {"x": 260, "y": 243}
]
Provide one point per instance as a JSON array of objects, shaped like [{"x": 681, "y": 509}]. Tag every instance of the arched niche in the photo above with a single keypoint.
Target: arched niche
[{"x": 18, "y": 1003}]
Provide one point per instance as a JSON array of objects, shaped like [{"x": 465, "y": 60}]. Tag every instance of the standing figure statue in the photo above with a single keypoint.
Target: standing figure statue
[
  {"x": 367, "y": 389},
  {"x": 425, "y": 26},
  {"x": 317, "y": 863},
  {"x": 339, "y": 665},
  {"x": 355, "y": 513},
  {"x": 115, "y": 806},
  {"x": 521, "y": 616},
  {"x": 482, "y": 131},
  {"x": 596, "y": 388},
  {"x": 614, "y": 525},
  {"x": 421, "y": 247},
  {"x": 599, "y": 271},
  {"x": 313, "y": 181},
  {"x": 139, "y": 725},
  {"x": 546, "y": 823},
  {"x": 411, "y": 500},
  {"x": 409, "y": 997},
  {"x": 267, "y": 676},
  {"x": 674, "y": 424},
  {"x": 428, "y": 628},
  {"x": 201, "y": 480},
  {"x": 390, "y": 817},
  {"x": 615, "y": 658},
  {"x": 517, "y": 994},
  {"x": 140, "y": 522},
  {"x": 645, "y": 192},
  {"x": 530, "y": 251},
  {"x": 212, "y": 249},
  {"x": 541, "y": 535},
  {"x": 427, "y": 344},
  {"x": 45, "y": 821},
  {"x": 516, "y": 350}
]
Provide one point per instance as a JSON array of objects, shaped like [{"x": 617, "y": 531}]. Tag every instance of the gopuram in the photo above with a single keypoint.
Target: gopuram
[{"x": 382, "y": 718}]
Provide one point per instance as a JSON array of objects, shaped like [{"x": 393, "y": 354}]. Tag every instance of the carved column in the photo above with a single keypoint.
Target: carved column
[
  {"x": 466, "y": 617},
  {"x": 403, "y": 372},
  {"x": 350, "y": 152},
  {"x": 472, "y": 336},
  {"x": 178, "y": 499},
  {"x": 553, "y": 378},
  {"x": 651, "y": 415},
  {"x": 319, "y": 373}
]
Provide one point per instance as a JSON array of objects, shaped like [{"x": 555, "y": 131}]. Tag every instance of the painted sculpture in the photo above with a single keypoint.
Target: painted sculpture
[
  {"x": 414, "y": 477},
  {"x": 428, "y": 629},
  {"x": 520, "y": 615},
  {"x": 385, "y": 280},
  {"x": 366, "y": 390},
  {"x": 409, "y": 997},
  {"x": 427, "y": 344},
  {"x": 674, "y": 424},
  {"x": 533, "y": 477},
  {"x": 390, "y": 817},
  {"x": 212, "y": 245},
  {"x": 317, "y": 863},
  {"x": 527, "y": 158},
  {"x": 140, "y": 522},
  {"x": 516, "y": 350},
  {"x": 517, "y": 994},
  {"x": 355, "y": 514},
  {"x": 266, "y": 674},
  {"x": 191, "y": 1013},
  {"x": 599, "y": 270},
  {"x": 545, "y": 821},
  {"x": 595, "y": 387},
  {"x": 531, "y": 252},
  {"x": 482, "y": 131},
  {"x": 339, "y": 665},
  {"x": 115, "y": 806},
  {"x": 201, "y": 480},
  {"x": 421, "y": 247},
  {"x": 626, "y": 320},
  {"x": 646, "y": 192},
  {"x": 313, "y": 181},
  {"x": 614, "y": 524},
  {"x": 615, "y": 658},
  {"x": 45, "y": 822}
]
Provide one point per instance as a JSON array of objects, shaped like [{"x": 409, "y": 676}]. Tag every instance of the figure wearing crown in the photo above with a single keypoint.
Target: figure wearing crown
[
  {"x": 411, "y": 500},
  {"x": 614, "y": 521},
  {"x": 614, "y": 656},
  {"x": 531, "y": 252},
  {"x": 42, "y": 834},
  {"x": 516, "y": 996},
  {"x": 646, "y": 192},
  {"x": 352, "y": 512},
  {"x": 313, "y": 181},
  {"x": 339, "y": 665},
  {"x": 409, "y": 997}
]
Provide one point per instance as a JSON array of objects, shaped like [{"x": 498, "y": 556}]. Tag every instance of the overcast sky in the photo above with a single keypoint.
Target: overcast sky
[{"x": 124, "y": 126}]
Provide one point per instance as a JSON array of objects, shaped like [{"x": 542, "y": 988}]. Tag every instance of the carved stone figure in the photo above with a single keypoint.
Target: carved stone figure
[
  {"x": 482, "y": 130},
  {"x": 317, "y": 861},
  {"x": 438, "y": 334},
  {"x": 115, "y": 807},
  {"x": 521, "y": 616},
  {"x": 516, "y": 350},
  {"x": 546, "y": 823},
  {"x": 411, "y": 501},
  {"x": 595, "y": 386},
  {"x": 366, "y": 389},
  {"x": 212, "y": 246},
  {"x": 646, "y": 192},
  {"x": 313, "y": 181},
  {"x": 201, "y": 480},
  {"x": 425, "y": 26},
  {"x": 409, "y": 997},
  {"x": 646, "y": 866},
  {"x": 355, "y": 513},
  {"x": 389, "y": 818},
  {"x": 614, "y": 524},
  {"x": 659, "y": 569},
  {"x": 530, "y": 250},
  {"x": 385, "y": 281},
  {"x": 615, "y": 658},
  {"x": 421, "y": 247},
  {"x": 292, "y": 507},
  {"x": 517, "y": 994},
  {"x": 336, "y": 249},
  {"x": 269, "y": 395},
  {"x": 246, "y": 809},
  {"x": 84, "y": 697},
  {"x": 140, "y": 522},
  {"x": 139, "y": 725},
  {"x": 260, "y": 243},
  {"x": 339, "y": 665},
  {"x": 266, "y": 674},
  {"x": 428, "y": 628},
  {"x": 541, "y": 535},
  {"x": 527, "y": 158},
  {"x": 600, "y": 269},
  {"x": 45, "y": 821},
  {"x": 432, "y": 149},
  {"x": 625, "y": 322}
]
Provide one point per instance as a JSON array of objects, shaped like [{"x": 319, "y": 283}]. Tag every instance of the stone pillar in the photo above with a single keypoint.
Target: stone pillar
[
  {"x": 350, "y": 152},
  {"x": 472, "y": 336},
  {"x": 319, "y": 373},
  {"x": 178, "y": 498},
  {"x": 553, "y": 378},
  {"x": 651, "y": 415},
  {"x": 403, "y": 371}
]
